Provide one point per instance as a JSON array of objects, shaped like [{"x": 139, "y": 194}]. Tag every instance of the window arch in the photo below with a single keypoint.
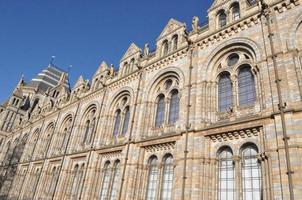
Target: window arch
[
  {"x": 226, "y": 174},
  {"x": 106, "y": 181},
  {"x": 167, "y": 178},
  {"x": 246, "y": 86},
  {"x": 175, "y": 42},
  {"x": 165, "y": 47},
  {"x": 222, "y": 18},
  {"x": 152, "y": 179},
  {"x": 225, "y": 92},
  {"x": 235, "y": 11},
  {"x": 160, "y": 110},
  {"x": 174, "y": 107},
  {"x": 115, "y": 180},
  {"x": 251, "y": 172}
]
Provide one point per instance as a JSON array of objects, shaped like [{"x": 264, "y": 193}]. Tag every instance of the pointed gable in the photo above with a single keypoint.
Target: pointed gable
[
  {"x": 217, "y": 3},
  {"x": 133, "y": 49},
  {"x": 103, "y": 67},
  {"x": 172, "y": 26},
  {"x": 79, "y": 82}
]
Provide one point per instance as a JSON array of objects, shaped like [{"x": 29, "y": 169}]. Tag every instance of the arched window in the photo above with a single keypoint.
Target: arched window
[
  {"x": 235, "y": 11},
  {"x": 246, "y": 87},
  {"x": 165, "y": 47},
  {"x": 105, "y": 182},
  {"x": 87, "y": 130},
  {"x": 126, "y": 121},
  {"x": 252, "y": 2},
  {"x": 160, "y": 111},
  {"x": 175, "y": 42},
  {"x": 251, "y": 173},
  {"x": 222, "y": 19},
  {"x": 167, "y": 180},
  {"x": 152, "y": 180},
  {"x": 226, "y": 175},
  {"x": 117, "y": 123},
  {"x": 225, "y": 93},
  {"x": 115, "y": 180},
  {"x": 74, "y": 180},
  {"x": 174, "y": 107},
  {"x": 91, "y": 130},
  {"x": 54, "y": 176}
]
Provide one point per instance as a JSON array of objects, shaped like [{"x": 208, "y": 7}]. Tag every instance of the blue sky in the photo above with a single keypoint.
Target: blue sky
[{"x": 81, "y": 33}]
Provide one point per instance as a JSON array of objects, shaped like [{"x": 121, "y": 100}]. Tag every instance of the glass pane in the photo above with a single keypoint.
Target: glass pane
[
  {"x": 225, "y": 93},
  {"x": 105, "y": 184},
  {"x": 247, "y": 93},
  {"x": 115, "y": 182},
  {"x": 167, "y": 181},
  {"x": 160, "y": 112},
  {"x": 251, "y": 174},
  {"x": 152, "y": 182},
  {"x": 117, "y": 123},
  {"x": 126, "y": 121},
  {"x": 226, "y": 176},
  {"x": 174, "y": 108}
]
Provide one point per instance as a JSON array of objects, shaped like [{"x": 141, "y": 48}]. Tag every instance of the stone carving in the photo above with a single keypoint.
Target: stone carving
[
  {"x": 195, "y": 24},
  {"x": 146, "y": 50}
]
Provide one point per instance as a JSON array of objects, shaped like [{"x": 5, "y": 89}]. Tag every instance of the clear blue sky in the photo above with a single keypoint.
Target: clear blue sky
[{"x": 81, "y": 33}]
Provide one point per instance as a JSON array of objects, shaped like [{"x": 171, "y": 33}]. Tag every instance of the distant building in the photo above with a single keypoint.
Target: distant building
[{"x": 214, "y": 113}]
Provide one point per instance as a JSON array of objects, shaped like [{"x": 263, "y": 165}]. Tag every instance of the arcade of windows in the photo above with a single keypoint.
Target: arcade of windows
[
  {"x": 168, "y": 47},
  {"x": 122, "y": 117},
  {"x": 244, "y": 83},
  {"x": 167, "y": 103},
  {"x": 235, "y": 13}
]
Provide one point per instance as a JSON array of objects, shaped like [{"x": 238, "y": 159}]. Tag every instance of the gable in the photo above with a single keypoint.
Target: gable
[
  {"x": 133, "y": 49},
  {"x": 172, "y": 26}
]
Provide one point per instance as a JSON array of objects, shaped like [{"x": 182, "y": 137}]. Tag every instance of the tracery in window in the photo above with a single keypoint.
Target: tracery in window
[
  {"x": 251, "y": 173},
  {"x": 152, "y": 179},
  {"x": 246, "y": 86},
  {"x": 225, "y": 92},
  {"x": 167, "y": 178},
  {"x": 122, "y": 117},
  {"x": 226, "y": 170},
  {"x": 233, "y": 59}
]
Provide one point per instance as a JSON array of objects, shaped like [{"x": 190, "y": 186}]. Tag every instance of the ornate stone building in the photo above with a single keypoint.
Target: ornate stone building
[{"x": 214, "y": 113}]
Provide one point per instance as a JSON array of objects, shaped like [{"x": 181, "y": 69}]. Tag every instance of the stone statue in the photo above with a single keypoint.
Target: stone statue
[
  {"x": 195, "y": 24},
  {"x": 146, "y": 50}
]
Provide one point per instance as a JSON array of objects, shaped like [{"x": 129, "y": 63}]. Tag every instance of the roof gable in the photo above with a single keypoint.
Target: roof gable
[
  {"x": 133, "y": 49},
  {"x": 171, "y": 27}
]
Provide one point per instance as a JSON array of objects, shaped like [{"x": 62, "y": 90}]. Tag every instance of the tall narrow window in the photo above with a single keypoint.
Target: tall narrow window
[
  {"x": 152, "y": 181},
  {"x": 165, "y": 47},
  {"x": 174, "y": 107},
  {"x": 160, "y": 112},
  {"x": 251, "y": 174},
  {"x": 167, "y": 180},
  {"x": 246, "y": 84},
  {"x": 115, "y": 181},
  {"x": 52, "y": 182},
  {"x": 91, "y": 130},
  {"x": 236, "y": 11},
  {"x": 117, "y": 123},
  {"x": 175, "y": 42},
  {"x": 225, "y": 92},
  {"x": 126, "y": 121},
  {"x": 105, "y": 182},
  {"x": 87, "y": 129},
  {"x": 74, "y": 180},
  {"x": 222, "y": 19},
  {"x": 226, "y": 175}
]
